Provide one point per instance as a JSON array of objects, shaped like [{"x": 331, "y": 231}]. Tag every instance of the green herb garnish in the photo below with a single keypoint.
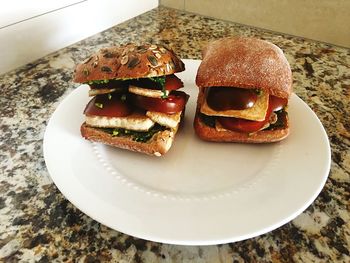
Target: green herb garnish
[
  {"x": 99, "y": 105},
  {"x": 161, "y": 82},
  {"x": 280, "y": 123},
  {"x": 258, "y": 91},
  {"x": 138, "y": 136},
  {"x": 123, "y": 97},
  {"x": 109, "y": 96},
  {"x": 208, "y": 120}
]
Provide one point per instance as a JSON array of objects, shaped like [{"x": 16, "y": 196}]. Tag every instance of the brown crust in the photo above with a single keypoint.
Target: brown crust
[
  {"x": 156, "y": 146},
  {"x": 211, "y": 134},
  {"x": 246, "y": 63},
  {"x": 128, "y": 61}
]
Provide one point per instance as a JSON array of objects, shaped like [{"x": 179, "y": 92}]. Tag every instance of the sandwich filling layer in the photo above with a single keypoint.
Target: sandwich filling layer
[
  {"x": 256, "y": 112},
  {"x": 260, "y": 113},
  {"x": 131, "y": 109}
]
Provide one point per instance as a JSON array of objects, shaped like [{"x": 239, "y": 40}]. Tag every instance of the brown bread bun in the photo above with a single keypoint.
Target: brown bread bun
[
  {"x": 158, "y": 145},
  {"x": 249, "y": 63},
  {"x": 128, "y": 61},
  {"x": 246, "y": 63}
]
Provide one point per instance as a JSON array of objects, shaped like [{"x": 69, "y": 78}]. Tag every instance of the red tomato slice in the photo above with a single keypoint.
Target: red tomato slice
[
  {"x": 108, "y": 105},
  {"x": 173, "y": 83},
  {"x": 277, "y": 103},
  {"x": 175, "y": 102},
  {"x": 243, "y": 125}
]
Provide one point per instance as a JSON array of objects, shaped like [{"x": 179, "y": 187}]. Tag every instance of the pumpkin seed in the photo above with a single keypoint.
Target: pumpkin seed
[
  {"x": 158, "y": 55},
  {"x": 109, "y": 55},
  {"x": 87, "y": 60},
  {"x": 152, "y": 60},
  {"x": 152, "y": 47},
  {"x": 133, "y": 62},
  {"x": 106, "y": 69},
  {"x": 141, "y": 49}
]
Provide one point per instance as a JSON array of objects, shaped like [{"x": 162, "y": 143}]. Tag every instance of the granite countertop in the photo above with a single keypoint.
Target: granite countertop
[{"x": 39, "y": 224}]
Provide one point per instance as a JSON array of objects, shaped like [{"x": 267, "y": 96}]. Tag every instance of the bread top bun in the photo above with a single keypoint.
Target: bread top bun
[
  {"x": 246, "y": 63},
  {"x": 128, "y": 61}
]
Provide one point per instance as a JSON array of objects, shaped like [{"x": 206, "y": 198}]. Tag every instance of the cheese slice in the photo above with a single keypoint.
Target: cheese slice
[
  {"x": 255, "y": 113},
  {"x": 168, "y": 120},
  {"x": 147, "y": 92},
  {"x": 136, "y": 121}
]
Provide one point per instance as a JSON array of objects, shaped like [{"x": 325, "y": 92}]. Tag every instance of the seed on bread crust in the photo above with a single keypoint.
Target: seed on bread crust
[
  {"x": 133, "y": 62},
  {"x": 129, "y": 61},
  {"x": 124, "y": 60},
  {"x": 152, "y": 60},
  {"x": 95, "y": 63},
  {"x": 87, "y": 60},
  {"x": 86, "y": 72},
  {"x": 109, "y": 55},
  {"x": 106, "y": 69}
]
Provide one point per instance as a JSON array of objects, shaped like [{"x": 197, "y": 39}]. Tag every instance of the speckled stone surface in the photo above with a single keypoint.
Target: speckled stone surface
[{"x": 38, "y": 224}]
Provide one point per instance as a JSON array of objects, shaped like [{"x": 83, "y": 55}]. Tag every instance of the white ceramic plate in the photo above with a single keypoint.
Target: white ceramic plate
[{"x": 199, "y": 193}]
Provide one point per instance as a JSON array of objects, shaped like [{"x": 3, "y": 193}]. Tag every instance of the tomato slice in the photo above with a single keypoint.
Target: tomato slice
[
  {"x": 226, "y": 98},
  {"x": 108, "y": 105},
  {"x": 243, "y": 125},
  {"x": 173, "y": 83},
  {"x": 174, "y": 103},
  {"x": 277, "y": 103}
]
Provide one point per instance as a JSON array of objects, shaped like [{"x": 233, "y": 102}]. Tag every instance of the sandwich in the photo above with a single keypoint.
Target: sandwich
[
  {"x": 135, "y": 102},
  {"x": 244, "y": 87}
]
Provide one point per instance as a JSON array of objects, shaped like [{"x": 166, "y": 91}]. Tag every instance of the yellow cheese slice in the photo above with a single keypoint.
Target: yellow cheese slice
[{"x": 255, "y": 113}]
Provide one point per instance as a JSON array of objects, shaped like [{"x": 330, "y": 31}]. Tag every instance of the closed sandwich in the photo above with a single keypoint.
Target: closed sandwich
[
  {"x": 135, "y": 103},
  {"x": 244, "y": 87}
]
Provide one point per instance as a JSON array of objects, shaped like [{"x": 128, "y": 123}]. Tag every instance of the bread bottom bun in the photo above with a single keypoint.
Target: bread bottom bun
[
  {"x": 158, "y": 145},
  {"x": 264, "y": 136}
]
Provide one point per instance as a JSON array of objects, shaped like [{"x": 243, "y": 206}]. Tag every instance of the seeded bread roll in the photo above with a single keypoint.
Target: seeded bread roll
[
  {"x": 128, "y": 61},
  {"x": 245, "y": 63},
  {"x": 158, "y": 145}
]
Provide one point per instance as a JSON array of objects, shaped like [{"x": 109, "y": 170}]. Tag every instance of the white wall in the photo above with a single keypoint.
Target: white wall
[{"x": 28, "y": 32}]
